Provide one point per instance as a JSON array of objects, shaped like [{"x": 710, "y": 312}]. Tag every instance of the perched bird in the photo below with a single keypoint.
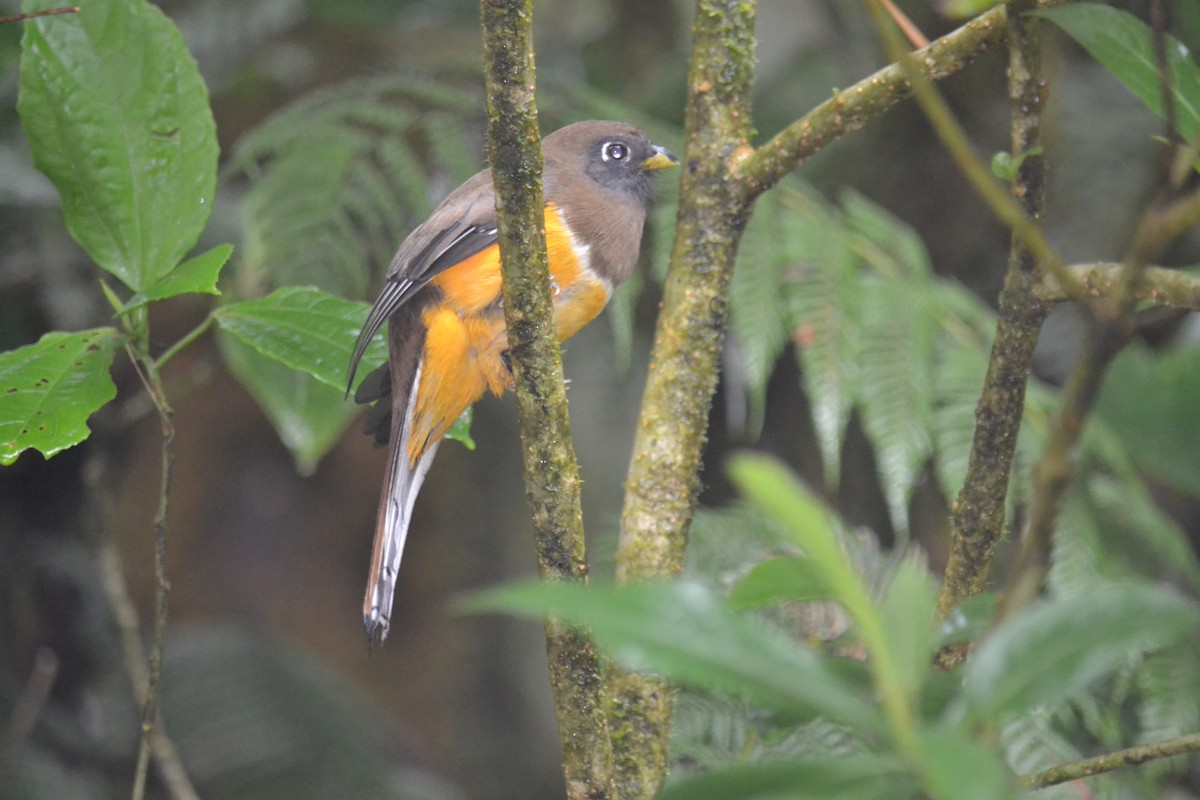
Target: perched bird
[{"x": 446, "y": 336}]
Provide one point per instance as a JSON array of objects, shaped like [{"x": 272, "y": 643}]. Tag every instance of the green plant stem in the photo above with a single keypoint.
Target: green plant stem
[
  {"x": 551, "y": 473},
  {"x": 852, "y": 108},
  {"x": 977, "y": 514},
  {"x": 999, "y": 198},
  {"x": 191, "y": 336},
  {"x": 1166, "y": 287},
  {"x": 1112, "y": 761},
  {"x": 152, "y": 380}
]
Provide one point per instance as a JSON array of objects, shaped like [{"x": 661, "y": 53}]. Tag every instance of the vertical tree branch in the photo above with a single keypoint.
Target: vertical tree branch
[
  {"x": 551, "y": 472},
  {"x": 978, "y": 512},
  {"x": 661, "y": 489},
  {"x": 1111, "y": 320}
]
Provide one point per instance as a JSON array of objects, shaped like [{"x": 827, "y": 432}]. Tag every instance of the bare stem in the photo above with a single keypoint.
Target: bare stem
[
  {"x": 49, "y": 12},
  {"x": 152, "y": 381}
]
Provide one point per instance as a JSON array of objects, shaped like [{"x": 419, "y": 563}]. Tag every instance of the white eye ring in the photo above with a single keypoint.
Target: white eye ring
[{"x": 614, "y": 151}]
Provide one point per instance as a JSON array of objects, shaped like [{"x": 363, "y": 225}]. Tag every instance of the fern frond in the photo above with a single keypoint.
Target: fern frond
[
  {"x": 757, "y": 314},
  {"x": 899, "y": 329},
  {"x": 824, "y": 293},
  {"x": 338, "y": 178},
  {"x": 1169, "y": 704}
]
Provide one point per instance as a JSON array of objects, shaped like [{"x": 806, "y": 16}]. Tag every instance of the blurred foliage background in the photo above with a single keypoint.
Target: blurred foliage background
[{"x": 341, "y": 124}]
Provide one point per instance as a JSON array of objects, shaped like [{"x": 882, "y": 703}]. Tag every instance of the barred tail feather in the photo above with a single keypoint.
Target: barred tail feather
[{"x": 402, "y": 481}]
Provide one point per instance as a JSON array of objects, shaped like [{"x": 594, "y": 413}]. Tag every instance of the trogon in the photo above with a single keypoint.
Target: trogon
[{"x": 442, "y": 302}]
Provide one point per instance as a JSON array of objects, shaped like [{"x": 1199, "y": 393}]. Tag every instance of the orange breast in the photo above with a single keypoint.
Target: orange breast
[{"x": 465, "y": 334}]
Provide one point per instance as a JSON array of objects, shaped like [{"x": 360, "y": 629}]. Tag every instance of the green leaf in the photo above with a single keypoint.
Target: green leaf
[
  {"x": 758, "y": 314},
  {"x": 306, "y": 329},
  {"x": 460, "y": 430},
  {"x": 855, "y": 777},
  {"x": 1055, "y": 649},
  {"x": 1124, "y": 46},
  {"x": 899, "y": 331},
  {"x": 117, "y": 116},
  {"x": 884, "y": 241},
  {"x": 770, "y": 486},
  {"x": 338, "y": 178},
  {"x": 683, "y": 631},
  {"x": 197, "y": 275},
  {"x": 955, "y": 766},
  {"x": 777, "y": 581},
  {"x": 308, "y": 416},
  {"x": 825, "y": 297},
  {"x": 1149, "y": 401},
  {"x": 909, "y": 609},
  {"x": 49, "y": 389}
]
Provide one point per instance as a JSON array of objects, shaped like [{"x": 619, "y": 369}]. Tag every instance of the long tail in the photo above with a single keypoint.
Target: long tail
[{"x": 402, "y": 481}]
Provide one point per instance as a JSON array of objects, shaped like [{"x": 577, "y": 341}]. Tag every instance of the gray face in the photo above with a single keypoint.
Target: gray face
[{"x": 615, "y": 162}]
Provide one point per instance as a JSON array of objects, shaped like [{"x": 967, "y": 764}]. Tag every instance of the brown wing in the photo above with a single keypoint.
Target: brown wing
[{"x": 463, "y": 225}]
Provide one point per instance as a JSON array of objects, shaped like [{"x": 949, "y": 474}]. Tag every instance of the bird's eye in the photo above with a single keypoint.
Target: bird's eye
[{"x": 614, "y": 151}]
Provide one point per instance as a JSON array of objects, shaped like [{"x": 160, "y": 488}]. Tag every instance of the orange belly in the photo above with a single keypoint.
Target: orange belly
[{"x": 465, "y": 334}]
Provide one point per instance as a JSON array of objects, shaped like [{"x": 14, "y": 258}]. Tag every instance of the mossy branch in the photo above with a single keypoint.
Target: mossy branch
[
  {"x": 977, "y": 514},
  {"x": 722, "y": 176},
  {"x": 551, "y": 473},
  {"x": 1166, "y": 287},
  {"x": 1108, "y": 762}
]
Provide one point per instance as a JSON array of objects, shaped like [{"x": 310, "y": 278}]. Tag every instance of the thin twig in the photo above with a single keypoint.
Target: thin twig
[
  {"x": 1108, "y": 762},
  {"x": 98, "y": 485},
  {"x": 191, "y": 336},
  {"x": 911, "y": 31},
  {"x": 997, "y": 196},
  {"x": 152, "y": 381},
  {"x": 26, "y": 710},
  {"x": 866, "y": 100},
  {"x": 50, "y": 12}
]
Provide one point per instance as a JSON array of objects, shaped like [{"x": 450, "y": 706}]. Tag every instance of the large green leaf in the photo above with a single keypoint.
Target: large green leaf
[
  {"x": 1149, "y": 401},
  {"x": 770, "y": 486},
  {"x": 779, "y": 580},
  {"x": 1052, "y": 651},
  {"x": 856, "y": 777},
  {"x": 49, "y": 389},
  {"x": 955, "y": 767},
  {"x": 117, "y": 116},
  {"x": 683, "y": 631},
  {"x": 308, "y": 415},
  {"x": 1124, "y": 45},
  {"x": 197, "y": 275},
  {"x": 306, "y": 329},
  {"x": 909, "y": 610}
]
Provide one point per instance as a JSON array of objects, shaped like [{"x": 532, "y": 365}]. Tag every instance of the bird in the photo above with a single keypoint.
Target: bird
[{"x": 441, "y": 298}]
